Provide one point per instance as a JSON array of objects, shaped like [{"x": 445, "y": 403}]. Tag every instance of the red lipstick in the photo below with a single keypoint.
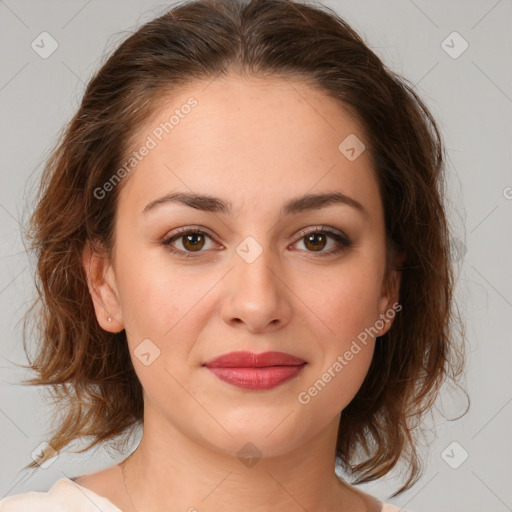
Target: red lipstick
[{"x": 255, "y": 371}]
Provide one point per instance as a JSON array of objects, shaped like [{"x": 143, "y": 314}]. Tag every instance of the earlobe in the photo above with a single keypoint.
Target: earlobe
[{"x": 103, "y": 289}]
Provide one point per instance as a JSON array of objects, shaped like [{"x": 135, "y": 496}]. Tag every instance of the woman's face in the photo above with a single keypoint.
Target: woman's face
[{"x": 250, "y": 276}]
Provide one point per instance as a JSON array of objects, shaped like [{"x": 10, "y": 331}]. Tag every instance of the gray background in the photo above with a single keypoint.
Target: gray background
[{"x": 470, "y": 95}]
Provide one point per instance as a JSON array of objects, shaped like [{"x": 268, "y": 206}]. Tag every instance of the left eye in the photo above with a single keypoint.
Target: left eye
[
  {"x": 317, "y": 241},
  {"x": 194, "y": 240}
]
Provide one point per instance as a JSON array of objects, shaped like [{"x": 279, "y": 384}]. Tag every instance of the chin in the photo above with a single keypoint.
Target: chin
[{"x": 262, "y": 435}]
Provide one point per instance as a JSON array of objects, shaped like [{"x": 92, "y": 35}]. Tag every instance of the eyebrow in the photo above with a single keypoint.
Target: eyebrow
[{"x": 297, "y": 205}]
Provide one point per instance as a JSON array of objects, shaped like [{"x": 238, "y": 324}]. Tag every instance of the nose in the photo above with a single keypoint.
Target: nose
[{"x": 256, "y": 295}]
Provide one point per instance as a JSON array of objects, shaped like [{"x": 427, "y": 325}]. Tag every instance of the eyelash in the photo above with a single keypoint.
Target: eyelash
[{"x": 342, "y": 239}]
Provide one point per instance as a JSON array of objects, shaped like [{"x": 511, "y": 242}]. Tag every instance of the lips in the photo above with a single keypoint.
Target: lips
[
  {"x": 250, "y": 360},
  {"x": 255, "y": 371}
]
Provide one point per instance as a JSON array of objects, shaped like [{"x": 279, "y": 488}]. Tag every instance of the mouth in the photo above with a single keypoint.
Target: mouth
[{"x": 247, "y": 370}]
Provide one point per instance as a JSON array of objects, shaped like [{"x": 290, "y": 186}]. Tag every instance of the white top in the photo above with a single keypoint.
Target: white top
[{"x": 66, "y": 496}]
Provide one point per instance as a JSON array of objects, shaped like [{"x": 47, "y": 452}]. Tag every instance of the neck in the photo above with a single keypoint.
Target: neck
[{"x": 170, "y": 471}]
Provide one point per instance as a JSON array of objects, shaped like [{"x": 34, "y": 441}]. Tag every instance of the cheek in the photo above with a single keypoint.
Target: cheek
[
  {"x": 338, "y": 374},
  {"x": 346, "y": 302},
  {"x": 154, "y": 296},
  {"x": 345, "y": 340},
  {"x": 170, "y": 307}
]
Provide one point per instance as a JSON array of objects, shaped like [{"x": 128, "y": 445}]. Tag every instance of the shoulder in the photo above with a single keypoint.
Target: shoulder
[
  {"x": 64, "y": 496},
  {"x": 389, "y": 508},
  {"x": 372, "y": 502}
]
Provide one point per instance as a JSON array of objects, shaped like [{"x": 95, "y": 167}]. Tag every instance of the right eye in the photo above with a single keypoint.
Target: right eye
[{"x": 191, "y": 239}]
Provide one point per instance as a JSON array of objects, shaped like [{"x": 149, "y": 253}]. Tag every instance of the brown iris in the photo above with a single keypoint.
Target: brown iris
[
  {"x": 196, "y": 241},
  {"x": 312, "y": 237}
]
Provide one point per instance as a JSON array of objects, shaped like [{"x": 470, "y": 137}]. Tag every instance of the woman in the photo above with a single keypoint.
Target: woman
[{"x": 242, "y": 246}]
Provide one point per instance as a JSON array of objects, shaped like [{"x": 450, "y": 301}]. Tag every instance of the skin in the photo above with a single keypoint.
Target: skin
[{"x": 256, "y": 143}]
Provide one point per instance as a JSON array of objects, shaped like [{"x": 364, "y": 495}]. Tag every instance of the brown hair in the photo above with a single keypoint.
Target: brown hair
[{"x": 90, "y": 372}]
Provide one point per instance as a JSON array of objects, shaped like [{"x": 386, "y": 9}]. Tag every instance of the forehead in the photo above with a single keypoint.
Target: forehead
[{"x": 252, "y": 141}]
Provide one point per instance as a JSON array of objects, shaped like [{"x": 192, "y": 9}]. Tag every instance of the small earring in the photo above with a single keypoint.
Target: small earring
[{"x": 109, "y": 319}]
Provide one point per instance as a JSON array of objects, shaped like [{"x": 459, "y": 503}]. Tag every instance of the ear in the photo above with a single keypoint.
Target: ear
[
  {"x": 103, "y": 289},
  {"x": 389, "y": 299}
]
